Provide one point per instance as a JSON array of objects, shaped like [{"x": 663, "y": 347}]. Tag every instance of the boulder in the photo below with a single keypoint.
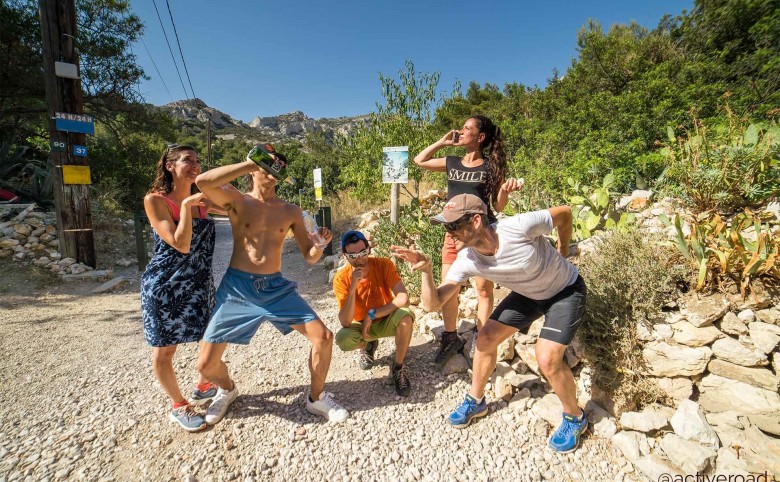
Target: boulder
[
  {"x": 664, "y": 360},
  {"x": 729, "y": 463},
  {"x": 732, "y": 325},
  {"x": 536, "y": 327},
  {"x": 758, "y": 377},
  {"x": 602, "y": 424},
  {"x": 703, "y": 312},
  {"x": 687, "y": 334},
  {"x": 656, "y": 468},
  {"x": 769, "y": 315},
  {"x": 746, "y": 316},
  {"x": 456, "y": 364},
  {"x": 662, "y": 331},
  {"x": 521, "y": 381},
  {"x": 465, "y": 325},
  {"x": 549, "y": 409},
  {"x": 628, "y": 443},
  {"x": 23, "y": 229},
  {"x": 690, "y": 456},
  {"x": 653, "y": 417},
  {"x": 677, "y": 388},
  {"x": 764, "y": 336},
  {"x": 733, "y": 351},
  {"x": 762, "y": 407},
  {"x": 506, "y": 350},
  {"x": 690, "y": 423},
  {"x": 527, "y": 353},
  {"x": 520, "y": 400}
]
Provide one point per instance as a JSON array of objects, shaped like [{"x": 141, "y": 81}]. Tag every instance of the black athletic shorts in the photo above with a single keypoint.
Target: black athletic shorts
[{"x": 562, "y": 313}]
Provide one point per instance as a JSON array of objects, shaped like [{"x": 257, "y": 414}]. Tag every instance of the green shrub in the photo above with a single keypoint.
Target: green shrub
[{"x": 628, "y": 280}]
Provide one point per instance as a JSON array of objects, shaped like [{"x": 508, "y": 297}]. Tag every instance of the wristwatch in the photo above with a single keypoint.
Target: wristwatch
[{"x": 372, "y": 314}]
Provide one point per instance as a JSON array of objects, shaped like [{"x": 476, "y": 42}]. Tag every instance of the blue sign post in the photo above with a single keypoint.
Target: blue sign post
[
  {"x": 81, "y": 123},
  {"x": 80, "y": 151}
]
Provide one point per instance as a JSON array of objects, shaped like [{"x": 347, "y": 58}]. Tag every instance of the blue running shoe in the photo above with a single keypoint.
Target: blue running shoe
[
  {"x": 187, "y": 419},
  {"x": 567, "y": 437},
  {"x": 469, "y": 409},
  {"x": 201, "y": 398}
]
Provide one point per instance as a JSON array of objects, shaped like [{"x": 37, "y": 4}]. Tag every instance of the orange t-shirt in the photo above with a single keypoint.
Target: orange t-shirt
[{"x": 372, "y": 292}]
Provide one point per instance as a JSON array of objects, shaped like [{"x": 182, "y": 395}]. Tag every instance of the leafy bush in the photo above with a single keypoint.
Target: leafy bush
[
  {"x": 628, "y": 280},
  {"x": 26, "y": 175},
  {"x": 594, "y": 211},
  {"x": 724, "y": 170},
  {"x": 413, "y": 228}
]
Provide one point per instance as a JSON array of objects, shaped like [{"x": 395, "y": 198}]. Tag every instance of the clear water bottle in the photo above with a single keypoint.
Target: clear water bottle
[{"x": 313, "y": 229}]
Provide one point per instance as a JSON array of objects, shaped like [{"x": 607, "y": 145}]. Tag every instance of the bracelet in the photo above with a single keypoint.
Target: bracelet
[{"x": 372, "y": 314}]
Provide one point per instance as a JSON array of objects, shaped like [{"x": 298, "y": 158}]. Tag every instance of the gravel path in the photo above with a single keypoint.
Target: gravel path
[{"x": 80, "y": 401}]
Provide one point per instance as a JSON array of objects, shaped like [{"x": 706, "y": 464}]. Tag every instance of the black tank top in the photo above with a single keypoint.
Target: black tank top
[{"x": 468, "y": 180}]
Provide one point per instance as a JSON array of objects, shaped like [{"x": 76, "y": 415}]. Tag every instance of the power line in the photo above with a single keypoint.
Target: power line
[
  {"x": 170, "y": 49},
  {"x": 156, "y": 69},
  {"x": 180, "y": 51}
]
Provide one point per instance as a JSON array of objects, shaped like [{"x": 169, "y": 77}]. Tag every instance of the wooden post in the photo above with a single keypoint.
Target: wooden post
[
  {"x": 394, "y": 191},
  {"x": 208, "y": 142},
  {"x": 72, "y": 201}
]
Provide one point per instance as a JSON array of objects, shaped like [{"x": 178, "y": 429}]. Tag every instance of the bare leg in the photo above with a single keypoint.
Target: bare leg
[
  {"x": 201, "y": 378},
  {"x": 321, "y": 339},
  {"x": 403, "y": 336},
  {"x": 211, "y": 366},
  {"x": 554, "y": 368},
  {"x": 163, "y": 369},
  {"x": 491, "y": 335},
  {"x": 484, "y": 300},
  {"x": 449, "y": 310}
]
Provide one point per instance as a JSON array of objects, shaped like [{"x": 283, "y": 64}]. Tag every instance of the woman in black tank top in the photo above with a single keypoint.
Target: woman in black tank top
[{"x": 481, "y": 171}]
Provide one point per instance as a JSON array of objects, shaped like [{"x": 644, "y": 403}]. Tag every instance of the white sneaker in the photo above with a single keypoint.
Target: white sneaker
[
  {"x": 219, "y": 405},
  {"x": 327, "y": 407}
]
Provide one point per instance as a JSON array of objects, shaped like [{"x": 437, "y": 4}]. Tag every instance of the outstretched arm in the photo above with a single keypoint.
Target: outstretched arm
[
  {"x": 562, "y": 221},
  {"x": 424, "y": 158},
  {"x": 432, "y": 297}
]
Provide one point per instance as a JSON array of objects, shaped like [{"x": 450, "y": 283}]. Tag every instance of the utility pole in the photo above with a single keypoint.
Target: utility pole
[
  {"x": 208, "y": 142},
  {"x": 63, "y": 95}
]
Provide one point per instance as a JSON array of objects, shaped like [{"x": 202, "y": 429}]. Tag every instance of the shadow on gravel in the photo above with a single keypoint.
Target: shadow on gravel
[{"x": 354, "y": 395}]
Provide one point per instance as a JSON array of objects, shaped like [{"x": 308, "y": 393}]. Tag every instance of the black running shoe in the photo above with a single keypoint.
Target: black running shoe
[
  {"x": 401, "y": 381},
  {"x": 367, "y": 355},
  {"x": 451, "y": 344}
]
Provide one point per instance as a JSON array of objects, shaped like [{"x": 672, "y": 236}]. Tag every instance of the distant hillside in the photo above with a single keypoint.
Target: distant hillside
[{"x": 295, "y": 125}]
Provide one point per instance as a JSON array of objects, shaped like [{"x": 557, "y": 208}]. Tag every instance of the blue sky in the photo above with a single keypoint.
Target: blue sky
[{"x": 265, "y": 58}]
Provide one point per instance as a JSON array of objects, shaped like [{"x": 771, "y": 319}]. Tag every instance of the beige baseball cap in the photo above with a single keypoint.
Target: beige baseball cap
[{"x": 459, "y": 206}]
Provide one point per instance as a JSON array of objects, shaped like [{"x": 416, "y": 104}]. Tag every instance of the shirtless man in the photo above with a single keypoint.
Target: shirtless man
[{"x": 253, "y": 290}]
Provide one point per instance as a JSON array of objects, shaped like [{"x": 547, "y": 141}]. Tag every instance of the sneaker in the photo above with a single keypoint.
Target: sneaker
[
  {"x": 567, "y": 437},
  {"x": 187, "y": 418},
  {"x": 473, "y": 348},
  {"x": 402, "y": 385},
  {"x": 367, "y": 355},
  {"x": 468, "y": 410},
  {"x": 202, "y": 398},
  {"x": 219, "y": 406},
  {"x": 327, "y": 407},
  {"x": 451, "y": 344}
]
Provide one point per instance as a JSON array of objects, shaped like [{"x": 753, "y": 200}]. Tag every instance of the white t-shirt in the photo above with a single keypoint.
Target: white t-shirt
[{"x": 525, "y": 262}]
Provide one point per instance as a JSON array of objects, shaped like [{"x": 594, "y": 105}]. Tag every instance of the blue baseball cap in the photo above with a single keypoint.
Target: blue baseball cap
[{"x": 352, "y": 237}]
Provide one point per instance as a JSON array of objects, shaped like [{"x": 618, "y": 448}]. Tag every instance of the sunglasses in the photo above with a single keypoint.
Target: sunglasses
[
  {"x": 455, "y": 225},
  {"x": 359, "y": 254}
]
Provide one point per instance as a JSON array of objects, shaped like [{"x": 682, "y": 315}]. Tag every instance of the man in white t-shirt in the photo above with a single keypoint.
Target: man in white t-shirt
[{"x": 515, "y": 254}]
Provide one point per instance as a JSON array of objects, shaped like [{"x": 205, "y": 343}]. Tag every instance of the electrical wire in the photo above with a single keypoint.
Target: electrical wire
[
  {"x": 170, "y": 49},
  {"x": 180, "y": 51},
  {"x": 156, "y": 69}
]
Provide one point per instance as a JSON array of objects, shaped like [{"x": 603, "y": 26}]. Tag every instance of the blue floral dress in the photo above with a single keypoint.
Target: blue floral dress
[{"x": 177, "y": 290}]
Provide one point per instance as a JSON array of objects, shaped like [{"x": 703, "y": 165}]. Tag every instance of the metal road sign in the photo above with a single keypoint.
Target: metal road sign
[
  {"x": 80, "y": 151},
  {"x": 59, "y": 146},
  {"x": 81, "y": 123},
  {"x": 76, "y": 175}
]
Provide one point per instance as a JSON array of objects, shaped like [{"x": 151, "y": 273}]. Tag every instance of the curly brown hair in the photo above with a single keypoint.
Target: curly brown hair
[
  {"x": 163, "y": 179},
  {"x": 495, "y": 161}
]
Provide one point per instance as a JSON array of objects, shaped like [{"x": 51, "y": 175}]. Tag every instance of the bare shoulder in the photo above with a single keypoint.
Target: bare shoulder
[{"x": 154, "y": 199}]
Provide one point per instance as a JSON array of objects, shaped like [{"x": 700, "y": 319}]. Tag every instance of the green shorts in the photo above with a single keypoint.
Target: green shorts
[{"x": 350, "y": 337}]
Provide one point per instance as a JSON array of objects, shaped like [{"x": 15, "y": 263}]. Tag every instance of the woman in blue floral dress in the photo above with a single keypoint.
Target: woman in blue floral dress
[{"x": 177, "y": 290}]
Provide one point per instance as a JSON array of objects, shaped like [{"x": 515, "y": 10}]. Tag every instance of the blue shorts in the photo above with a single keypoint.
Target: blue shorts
[{"x": 244, "y": 300}]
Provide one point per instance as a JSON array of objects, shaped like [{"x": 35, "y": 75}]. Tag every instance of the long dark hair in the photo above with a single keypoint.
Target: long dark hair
[
  {"x": 495, "y": 161},
  {"x": 163, "y": 178}
]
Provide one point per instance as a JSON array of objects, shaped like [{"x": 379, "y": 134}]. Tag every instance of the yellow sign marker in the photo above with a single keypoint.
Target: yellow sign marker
[{"x": 76, "y": 175}]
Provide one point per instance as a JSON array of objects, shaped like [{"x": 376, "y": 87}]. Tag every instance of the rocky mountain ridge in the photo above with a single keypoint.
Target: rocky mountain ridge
[{"x": 294, "y": 125}]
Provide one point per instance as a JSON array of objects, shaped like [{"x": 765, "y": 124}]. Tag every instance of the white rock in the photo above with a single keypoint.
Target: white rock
[
  {"x": 664, "y": 360},
  {"x": 662, "y": 331},
  {"x": 628, "y": 443},
  {"x": 758, "y": 377},
  {"x": 690, "y": 423},
  {"x": 729, "y": 463},
  {"x": 9, "y": 243},
  {"x": 705, "y": 311},
  {"x": 762, "y": 407},
  {"x": 506, "y": 350},
  {"x": 549, "y": 409},
  {"x": 687, "y": 334},
  {"x": 656, "y": 468},
  {"x": 732, "y": 325},
  {"x": 731, "y": 350},
  {"x": 769, "y": 315},
  {"x": 643, "y": 333},
  {"x": 746, "y": 316},
  {"x": 677, "y": 388},
  {"x": 23, "y": 229},
  {"x": 653, "y": 417},
  {"x": 67, "y": 262},
  {"x": 764, "y": 336},
  {"x": 527, "y": 353},
  {"x": 690, "y": 456}
]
